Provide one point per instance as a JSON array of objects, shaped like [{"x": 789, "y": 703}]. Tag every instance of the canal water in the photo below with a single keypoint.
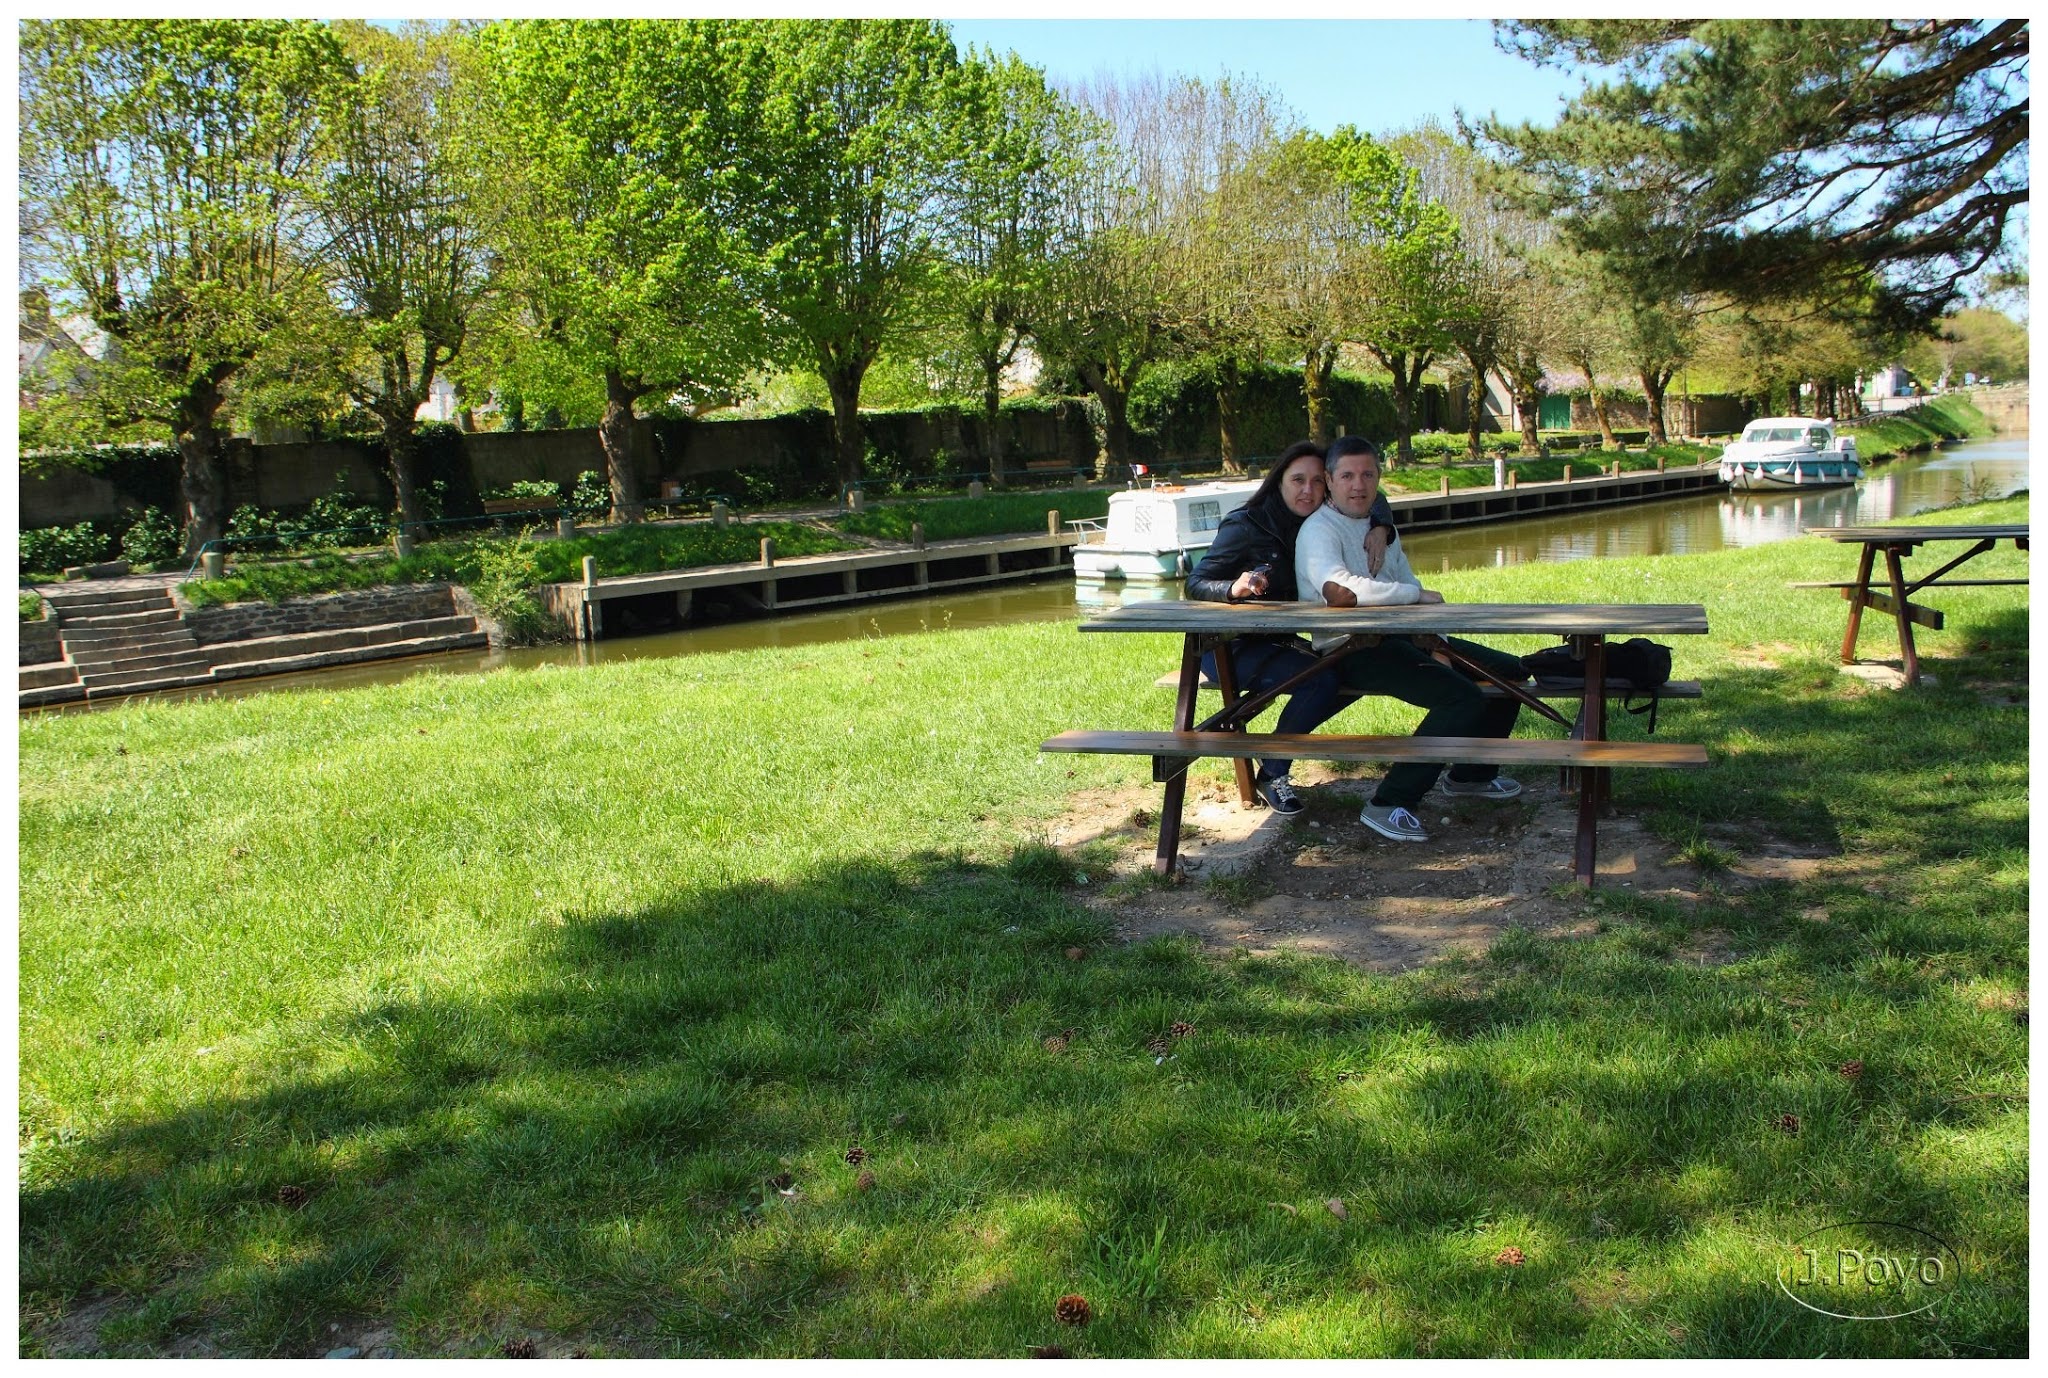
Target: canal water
[{"x": 1973, "y": 470}]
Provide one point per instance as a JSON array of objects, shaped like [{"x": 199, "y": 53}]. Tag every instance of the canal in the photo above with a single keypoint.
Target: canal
[{"x": 1976, "y": 470}]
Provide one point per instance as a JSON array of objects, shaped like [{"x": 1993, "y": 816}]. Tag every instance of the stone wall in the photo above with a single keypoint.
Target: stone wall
[
  {"x": 2004, "y": 407},
  {"x": 39, "y": 643},
  {"x": 364, "y": 608}
]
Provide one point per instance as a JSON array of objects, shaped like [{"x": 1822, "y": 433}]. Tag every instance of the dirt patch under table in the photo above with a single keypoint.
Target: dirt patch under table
[{"x": 1320, "y": 881}]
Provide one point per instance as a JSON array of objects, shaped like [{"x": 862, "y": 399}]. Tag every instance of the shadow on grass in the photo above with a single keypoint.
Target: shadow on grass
[{"x": 638, "y": 1135}]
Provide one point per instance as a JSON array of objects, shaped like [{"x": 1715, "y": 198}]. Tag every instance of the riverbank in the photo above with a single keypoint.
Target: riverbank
[{"x": 547, "y": 1008}]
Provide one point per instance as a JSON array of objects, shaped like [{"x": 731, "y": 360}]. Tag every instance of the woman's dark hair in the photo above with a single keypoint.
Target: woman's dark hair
[
  {"x": 1269, "y": 486},
  {"x": 1350, "y": 445}
]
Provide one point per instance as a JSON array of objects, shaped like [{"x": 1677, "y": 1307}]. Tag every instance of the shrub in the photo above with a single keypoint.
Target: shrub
[
  {"x": 31, "y": 607},
  {"x": 51, "y": 548},
  {"x": 525, "y": 488},
  {"x": 506, "y": 572},
  {"x": 591, "y": 494},
  {"x": 153, "y": 539}
]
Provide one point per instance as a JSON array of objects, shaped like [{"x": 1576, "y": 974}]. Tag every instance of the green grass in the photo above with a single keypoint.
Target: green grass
[
  {"x": 633, "y": 550},
  {"x": 1944, "y": 418},
  {"x": 993, "y": 515},
  {"x": 31, "y": 607},
  {"x": 533, "y": 981},
  {"x": 1425, "y": 477}
]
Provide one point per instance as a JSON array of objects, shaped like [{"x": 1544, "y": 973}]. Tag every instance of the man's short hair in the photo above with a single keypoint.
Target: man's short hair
[{"x": 1345, "y": 445}]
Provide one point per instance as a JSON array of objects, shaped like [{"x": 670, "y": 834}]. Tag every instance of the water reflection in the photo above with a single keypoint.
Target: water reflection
[{"x": 1676, "y": 526}]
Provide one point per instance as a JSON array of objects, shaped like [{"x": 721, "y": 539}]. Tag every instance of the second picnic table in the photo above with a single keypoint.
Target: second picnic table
[
  {"x": 1897, "y": 542},
  {"x": 1212, "y": 626}
]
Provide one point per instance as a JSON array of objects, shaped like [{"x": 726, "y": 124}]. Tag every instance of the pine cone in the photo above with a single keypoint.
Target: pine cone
[
  {"x": 856, "y": 1155},
  {"x": 1851, "y": 1069},
  {"x": 1181, "y": 1028},
  {"x": 1049, "y": 1352},
  {"x": 1511, "y": 1257},
  {"x": 2019, "y": 1017},
  {"x": 1056, "y": 1044},
  {"x": 1072, "y": 1309},
  {"x": 292, "y": 1196},
  {"x": 1159, "y": 1045},
  {"x": 1075, "y": 954},
  {"x": 521, "y": 1348},
  {"x": 1789, "y": 1123},
  {"x": 782, "y": 1181},
  {"x": 864, "y": 1182}
]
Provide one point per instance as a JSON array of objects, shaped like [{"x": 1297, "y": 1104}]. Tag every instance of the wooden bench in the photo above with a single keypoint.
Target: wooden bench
[
  {"x": 1542, "y": 689},
  {"x": 499, "y": 507}
]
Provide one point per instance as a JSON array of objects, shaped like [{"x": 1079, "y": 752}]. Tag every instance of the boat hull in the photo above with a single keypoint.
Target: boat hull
[
  {"x": 1099, "y": 563},
  {"x": 1770, "y": 474}
]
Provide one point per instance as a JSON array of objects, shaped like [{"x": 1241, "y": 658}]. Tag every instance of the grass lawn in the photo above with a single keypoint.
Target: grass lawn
[
  {"x": 558, "y": 999},
  {"x": 992, "y": 515}
]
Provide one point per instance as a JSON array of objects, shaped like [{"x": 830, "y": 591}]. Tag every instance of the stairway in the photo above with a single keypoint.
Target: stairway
[{"x": 126, "y": 640}]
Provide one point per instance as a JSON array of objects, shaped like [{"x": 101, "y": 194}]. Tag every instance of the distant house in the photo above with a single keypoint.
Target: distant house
[
  {"x": 47, "y": 350},
  {"x": 1890, "y": 381}
]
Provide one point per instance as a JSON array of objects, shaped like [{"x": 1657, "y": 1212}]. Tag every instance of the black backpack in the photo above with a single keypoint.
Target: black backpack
[{"x": 1635, "y": 666}]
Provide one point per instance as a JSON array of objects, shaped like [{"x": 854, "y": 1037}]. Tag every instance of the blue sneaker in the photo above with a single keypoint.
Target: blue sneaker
[{"x": 1279, "y": 795}]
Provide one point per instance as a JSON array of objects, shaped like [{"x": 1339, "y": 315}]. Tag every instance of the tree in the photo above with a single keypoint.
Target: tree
[
  {"x": 1015, "y": 141},
  {"x": 1657, "y": 339},
  {"x": 165, "y": 179},
  {"x": 847, "y": 175},
  {"x": 1783, "y": 159},
  {"x": 613, "y": 144},
  {"x": 405, "y": 234},
  {"x": 1975, "y": 340},
  {"x": 1585, "y": 330}
]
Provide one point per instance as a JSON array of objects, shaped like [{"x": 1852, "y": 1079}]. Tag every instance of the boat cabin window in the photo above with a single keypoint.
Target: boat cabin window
[
  {"x": 1776, "y": 433},
  {"x": 1817, "y": 437},
  {"x": 1205, "y": 516}
]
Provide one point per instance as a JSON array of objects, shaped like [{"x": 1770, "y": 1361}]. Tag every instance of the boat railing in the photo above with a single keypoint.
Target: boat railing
[{"x": 1090, "y": 529}]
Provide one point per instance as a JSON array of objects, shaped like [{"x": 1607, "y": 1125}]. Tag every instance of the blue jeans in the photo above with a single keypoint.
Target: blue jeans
[
  {"x": 1399, "y": 669},
  {"x": 1261, "y": 665}
]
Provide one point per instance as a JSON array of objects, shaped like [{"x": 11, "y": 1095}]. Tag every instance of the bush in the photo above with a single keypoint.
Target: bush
[
  {"x": 31, "y": 607},
  {"x": 52, "y": 548},
  {"x": 525, "y": 488},
  {"x": 506, "y": 572},
  {"x": 593, "y": 493},
  {"x": 154, "y": 539}
]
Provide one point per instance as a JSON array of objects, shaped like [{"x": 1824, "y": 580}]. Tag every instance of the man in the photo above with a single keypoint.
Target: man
[{"x": 1331, "y": 567}]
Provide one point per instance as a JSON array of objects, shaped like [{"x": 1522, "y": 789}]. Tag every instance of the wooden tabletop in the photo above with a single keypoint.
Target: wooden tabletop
[
  {"x": 1887, "y": 535},
  {"x": 1443, "y": 619}
]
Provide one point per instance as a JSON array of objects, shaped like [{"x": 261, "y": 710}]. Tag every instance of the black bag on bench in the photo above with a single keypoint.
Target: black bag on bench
[{"x": 1644, "y": 665}]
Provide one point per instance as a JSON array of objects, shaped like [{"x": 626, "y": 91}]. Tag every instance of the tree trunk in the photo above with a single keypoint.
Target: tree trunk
[
  {"x": 615, "y": 434},
  {"x": 401, "y": 458},
  {"x": 1316, "y": 371},
  {"x": 1601, "y": 417},
  {"x": 1653, "y": 397},
  {"x": 991, "y": 418},
  {"x": 843, "y": 382},
  {"x": 1115, "y": 397},
  {"x": 202, "y": 477},
  {"x": 1529, "y": 402},
  {"x": 1229, "y": 407},
  {"x": 1475, "y": 411}
]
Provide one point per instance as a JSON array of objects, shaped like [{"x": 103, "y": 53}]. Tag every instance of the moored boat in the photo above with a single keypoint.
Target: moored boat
[
  {"x": 1790, "y": 452},
  {"x": 1156, "y": 534}
]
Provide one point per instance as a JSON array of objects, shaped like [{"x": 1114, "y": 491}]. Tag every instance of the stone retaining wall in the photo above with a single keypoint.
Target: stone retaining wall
[
  {"x": 363, "y": 608},
  {"x": 39, "y": 643}
]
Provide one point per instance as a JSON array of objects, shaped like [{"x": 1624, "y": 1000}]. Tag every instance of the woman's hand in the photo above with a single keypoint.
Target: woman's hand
[
  {"x": 1250, "y": 584},
  {"x": 1376, "y": 542}
]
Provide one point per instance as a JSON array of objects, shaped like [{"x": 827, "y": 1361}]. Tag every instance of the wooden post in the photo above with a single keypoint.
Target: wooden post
[
  {"x": 593, "y": 614},
  {"x": 767, "y": 552},
  {"x": 917, "y": 535},
  {"x": 1446, "y": 489},
  {"x": 1500, "y": 472},
  {"x": 402, "y": 543},
  {"x": 1567, "y": 471},
  {"x": 1660, "y": 464},
  {"x": 213, "y": 563},
  {"x": 1513, "y": 478},
  {"x": 976, "y": 488},
  {"x": 1052, "y": 522},
  {"x": 720, "y": 515},
  {"x": 565, "y": 527},
  {"x": 1616, "y": 471}
]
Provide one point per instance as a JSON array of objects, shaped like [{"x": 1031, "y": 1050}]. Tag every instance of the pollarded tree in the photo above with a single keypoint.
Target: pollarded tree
[
  {"x": 1657, "y": 339},
  {"x": 1790, "y": 159},
  {"x": 166, "y": 169},
  {"x": 845, "y": 165},
  {"x": 406, "y": 235},
  {"x": 1014, "y": 142},
  {"x": 612, "y": 145},
  {"x": 1300, "y": 264},
  {"x": 1584, "y": 327}
]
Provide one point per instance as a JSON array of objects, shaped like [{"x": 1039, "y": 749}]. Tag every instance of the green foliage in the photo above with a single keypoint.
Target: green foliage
[
  {"x": 154, "y": 539},
  {"x": 591, "y": 493},
  {"x": 1922, "y": 428},
  {"x": 530, "y": 488},
  {"x": 506, "y": 572},
  {"x": 1174, "y": 408},
  {"x": 955, "y": 518},
  {"x": 631, "y": 550},
  {"x": 32, "y": 608},
  {"x": 52, "y": 548}
]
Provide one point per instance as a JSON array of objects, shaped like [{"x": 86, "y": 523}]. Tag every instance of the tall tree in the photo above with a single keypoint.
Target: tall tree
[
  {"x": 613, "y": 145},
  {"x": 166, "y": 168},
  {"x": 846, "y": 160},
  {"x": 406, "y": 235},
  {"x": 1788, "y": 159},
  {"x": 1657, "y": 339},
  {"x": 1014, "y": 142}
]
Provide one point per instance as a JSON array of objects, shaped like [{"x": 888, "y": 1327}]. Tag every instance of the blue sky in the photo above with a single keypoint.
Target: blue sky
[{"x": 1379, "y": 74}]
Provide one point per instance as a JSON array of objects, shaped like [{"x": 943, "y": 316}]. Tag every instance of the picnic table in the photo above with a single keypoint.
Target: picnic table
[
  {"x": 1897, "y": 542},
  {"x": 1213, "y": 626}
]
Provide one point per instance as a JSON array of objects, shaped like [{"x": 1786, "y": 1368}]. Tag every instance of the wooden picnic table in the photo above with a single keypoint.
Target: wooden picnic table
[
  {"x": 1897, "y": 542},
  {"x": 1205, "y": 626}
]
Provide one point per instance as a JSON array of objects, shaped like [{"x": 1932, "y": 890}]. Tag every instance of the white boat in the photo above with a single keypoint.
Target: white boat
[
  {"x": 1155, "y": 534},
  {"x": 1790, "y": 452}
]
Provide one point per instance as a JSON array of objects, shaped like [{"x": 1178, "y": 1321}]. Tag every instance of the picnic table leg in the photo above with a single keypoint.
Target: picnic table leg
[
  {"x": 1900, "y": 612},
  {"x": 1177, "y": 788},
  {"x": 1857, "y": 597},
  {"x": 1226, "y": 681},
  {"x": 1592, "y": 781}
]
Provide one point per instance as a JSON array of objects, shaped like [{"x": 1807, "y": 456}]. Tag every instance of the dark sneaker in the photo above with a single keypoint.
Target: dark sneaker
[
  {"x": 1394, "y": 822},
  {"x": 1499, "y": 787},
  {"x": 1279, "y": 795}
]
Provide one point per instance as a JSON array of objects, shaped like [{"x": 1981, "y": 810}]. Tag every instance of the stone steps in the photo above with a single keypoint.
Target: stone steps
[
  {"x": 55, "y": 693},
  {"x": 107, "y": 604},
  {"x": 177, "y": 638},
  {"x": 474, "y": 640},
  {"x": 97, "y": 621},
  {"x": 187, "y": 667},
  {"x": 298, "y": 645},
  {"x": 106, "y": 671},
  {"x": 48, "y": 675}
]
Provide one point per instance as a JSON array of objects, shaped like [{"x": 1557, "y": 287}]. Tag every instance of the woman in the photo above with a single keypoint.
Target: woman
[{"x": 1253, "y": 558}]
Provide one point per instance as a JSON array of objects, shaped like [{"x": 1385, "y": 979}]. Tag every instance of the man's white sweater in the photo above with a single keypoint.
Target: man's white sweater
[{"x": 1331, "y": 549}]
